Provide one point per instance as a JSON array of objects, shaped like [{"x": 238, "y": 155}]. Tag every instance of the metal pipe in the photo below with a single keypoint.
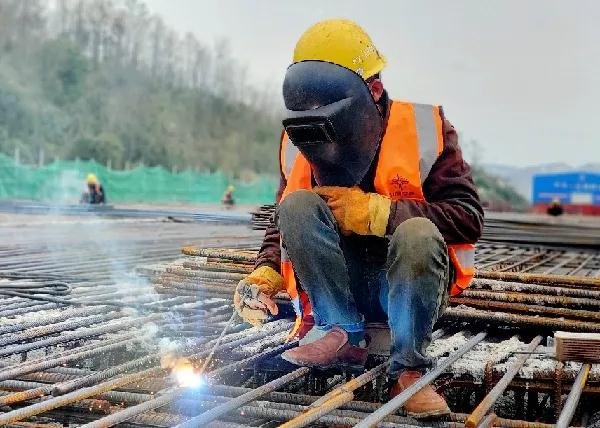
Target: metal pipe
[
  {"x": 234, "y": 403},
  {"x": 570, "y": 406},
  {"x": 399, "y": 400},
  {"x": 490, "y": 399}
]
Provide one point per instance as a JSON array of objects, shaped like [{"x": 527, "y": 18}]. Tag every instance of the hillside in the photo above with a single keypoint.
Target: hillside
[{"x": 94, "y": 80}]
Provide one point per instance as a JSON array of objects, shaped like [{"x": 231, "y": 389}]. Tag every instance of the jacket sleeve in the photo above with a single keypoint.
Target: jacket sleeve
[
  {"x": 451, "y": 199},
  {"x": 270, "y": 250}
]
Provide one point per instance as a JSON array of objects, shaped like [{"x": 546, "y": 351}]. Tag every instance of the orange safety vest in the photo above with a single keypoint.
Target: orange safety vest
[{"x": 412, "y": 142}]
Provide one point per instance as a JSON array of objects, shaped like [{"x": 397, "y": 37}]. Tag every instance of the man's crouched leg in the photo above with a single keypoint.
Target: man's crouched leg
[
  {"x": 311, "y": 240},
  {"x": 418, "y": 278}
]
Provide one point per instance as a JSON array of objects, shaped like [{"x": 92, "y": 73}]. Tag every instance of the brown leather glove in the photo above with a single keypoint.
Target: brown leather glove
[
  {"x": 356, "y": 211},
  {"x": 252, "y": 298}
]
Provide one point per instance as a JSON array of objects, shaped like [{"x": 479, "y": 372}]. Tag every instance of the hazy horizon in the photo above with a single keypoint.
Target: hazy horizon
[{"x": 520, "y": 78}]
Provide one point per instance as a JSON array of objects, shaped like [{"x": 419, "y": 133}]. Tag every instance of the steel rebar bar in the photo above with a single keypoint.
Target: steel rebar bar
[
  {"x": 397, "y": 402},
  {"x": 568, "y": 410},
  {"x": 490, "y": 399}
]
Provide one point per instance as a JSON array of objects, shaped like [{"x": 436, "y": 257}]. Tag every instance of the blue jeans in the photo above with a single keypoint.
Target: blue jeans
[{"x": 353, "y": 279}]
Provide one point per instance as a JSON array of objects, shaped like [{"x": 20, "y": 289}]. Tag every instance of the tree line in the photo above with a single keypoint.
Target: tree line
[{"x": 111, "y": 81}]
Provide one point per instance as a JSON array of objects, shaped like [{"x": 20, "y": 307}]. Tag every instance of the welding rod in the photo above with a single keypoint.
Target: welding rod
[
  {"x": 570, "y": 406},
  {"x": 490, "y": 399},
  {"x": 399, "y": 400}
]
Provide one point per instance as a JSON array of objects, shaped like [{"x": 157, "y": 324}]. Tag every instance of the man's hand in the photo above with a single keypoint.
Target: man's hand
[
  {"x": 356, "y": 211},
  {"x": 253, "y": 295}
]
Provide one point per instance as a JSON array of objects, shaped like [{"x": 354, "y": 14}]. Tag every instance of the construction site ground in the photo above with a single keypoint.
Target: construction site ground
[{"x": 90, "y": 304}]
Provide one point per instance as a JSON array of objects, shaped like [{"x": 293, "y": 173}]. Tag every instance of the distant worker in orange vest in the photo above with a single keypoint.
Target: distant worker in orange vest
[{"x": 377, "y": 214}]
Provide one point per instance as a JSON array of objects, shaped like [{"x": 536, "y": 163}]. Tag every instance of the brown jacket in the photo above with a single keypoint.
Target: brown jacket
[{"x": 451, "y": 200}]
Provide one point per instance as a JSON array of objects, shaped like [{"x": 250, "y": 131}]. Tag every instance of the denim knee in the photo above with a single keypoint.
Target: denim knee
[
  {"x": 299, "y": 207},
  {"x": 416, "y": 244}
]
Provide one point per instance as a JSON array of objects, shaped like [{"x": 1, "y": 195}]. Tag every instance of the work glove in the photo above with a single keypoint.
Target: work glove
[
  {"x": 252, "y": 298},
  {"x": 357, "y": 211}
]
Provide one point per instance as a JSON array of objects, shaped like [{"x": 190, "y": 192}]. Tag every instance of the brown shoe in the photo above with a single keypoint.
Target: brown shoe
[
  {"x": 425, "y": 403},
  {"x": 332, "y": 350}
]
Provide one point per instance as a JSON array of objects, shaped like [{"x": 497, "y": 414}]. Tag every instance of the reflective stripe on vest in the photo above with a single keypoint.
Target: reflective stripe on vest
[{"x": 412, "y": 142}]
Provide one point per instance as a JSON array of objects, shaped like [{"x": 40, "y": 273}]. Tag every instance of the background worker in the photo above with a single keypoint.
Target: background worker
[
  {"x": 227, "y": 199},
  {"x": 555, "y": 208},
  {"x": 93, "y": 192},
  {"x": 376, "y": 218}
]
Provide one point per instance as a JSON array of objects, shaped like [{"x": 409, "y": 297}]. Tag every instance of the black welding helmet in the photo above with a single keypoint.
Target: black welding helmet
[{"x": 333, "y": 120}]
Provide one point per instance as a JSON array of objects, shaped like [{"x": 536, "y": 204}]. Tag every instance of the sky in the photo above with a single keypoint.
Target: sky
[{"x": 522, "y": 78}]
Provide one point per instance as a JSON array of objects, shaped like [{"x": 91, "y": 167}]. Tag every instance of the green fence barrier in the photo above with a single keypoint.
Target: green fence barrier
[{"x": 63, "y": 182}]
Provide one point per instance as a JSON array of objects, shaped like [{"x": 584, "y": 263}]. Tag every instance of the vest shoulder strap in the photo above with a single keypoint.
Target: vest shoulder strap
[{"x": 428, "y": 121}]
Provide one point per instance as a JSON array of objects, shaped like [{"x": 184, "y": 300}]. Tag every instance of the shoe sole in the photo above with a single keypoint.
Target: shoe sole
[
  {"x": 431, "y": 414},
  {"x": 324, "y": 367}
]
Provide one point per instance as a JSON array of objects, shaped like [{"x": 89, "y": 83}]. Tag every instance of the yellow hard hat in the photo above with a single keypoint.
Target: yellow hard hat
[
  {"x": 92, "y": 179},
  {"x": 341, "y": 42},
  {"x": 230, "y": 188}
]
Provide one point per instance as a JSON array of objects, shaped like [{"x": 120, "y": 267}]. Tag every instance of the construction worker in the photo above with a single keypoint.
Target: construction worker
[
  {"x": 555, "y": 208},
  {"x": 377, "y": 213},
  {"x": 93, "y": 192},
  {"x": 227, "y": 199}
]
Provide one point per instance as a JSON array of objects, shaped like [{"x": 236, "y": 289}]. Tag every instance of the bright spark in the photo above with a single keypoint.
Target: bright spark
[{"x": 186, "y": 377}]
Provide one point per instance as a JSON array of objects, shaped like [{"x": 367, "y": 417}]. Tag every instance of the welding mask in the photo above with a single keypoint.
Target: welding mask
[{"x": 333, "y": 120}]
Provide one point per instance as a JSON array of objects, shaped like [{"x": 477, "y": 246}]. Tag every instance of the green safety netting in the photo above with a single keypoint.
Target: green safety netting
[{"x": 63, "y": 181}]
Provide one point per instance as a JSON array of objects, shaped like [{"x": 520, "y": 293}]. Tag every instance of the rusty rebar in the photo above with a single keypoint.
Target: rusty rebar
[
  {"x": 226, "y": 254},
  {"x": 464, "y": 314},
  {"x": 490, "y": 399},
  {"x": 334, "y": 399},
  {"x": 241, "y": 400},
  {"x": 570, "y": 406},
  {"x": 577, "y": 314},
  {"x": 533, "y": 298},
  {"x": 48, "y": 329},
  {"x": 55, "y": 402},
  {"x": 553, "y": 290},
  {"x": 170, "y": 396},
  {"x": 72, "y": 355},
  {"x": 399, "y": 400},
  {"x": 79, "y": 334},
  {"x": 536, "y": 278},
  {"x": 64, "y": 315}
]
